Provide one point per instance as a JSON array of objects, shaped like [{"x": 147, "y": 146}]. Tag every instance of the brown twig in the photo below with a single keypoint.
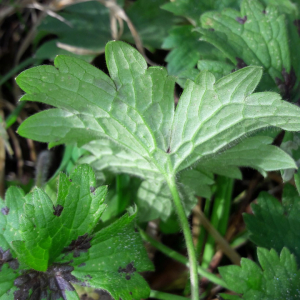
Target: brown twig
[
  {"x": 221, "y": 242},
  {"x": 18, "y": 152}
]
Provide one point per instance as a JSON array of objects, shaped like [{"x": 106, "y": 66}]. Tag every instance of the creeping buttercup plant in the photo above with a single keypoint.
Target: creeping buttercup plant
[
  {"x": 46, "y": 247},
  {"x": 133, "y": 111}
]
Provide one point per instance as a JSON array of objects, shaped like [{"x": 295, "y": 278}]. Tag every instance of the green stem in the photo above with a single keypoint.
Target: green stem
[
  {"x": 176, "y": 256},
  {"x": 165, "y": 296},
  {"x": 188, "y": 238}
]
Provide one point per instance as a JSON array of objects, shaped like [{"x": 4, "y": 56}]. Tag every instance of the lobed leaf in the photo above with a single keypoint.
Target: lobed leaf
[
  {"x": 47, "y": 227},
  {"x": 135, "y": 109},
  {"x": 186, "y": 50},
  {"x": 255, "y": 152},
  {"x": 277, "y": 278},
  {"x": 129, "y": 123},
  {"x": 275, "y": 225},
  {"x": 53, "y": 239},
  {"x": 254, "y": 36}
]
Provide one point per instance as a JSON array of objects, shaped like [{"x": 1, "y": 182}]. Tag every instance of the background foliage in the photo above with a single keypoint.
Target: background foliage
[{"x": 225, "y": 166}]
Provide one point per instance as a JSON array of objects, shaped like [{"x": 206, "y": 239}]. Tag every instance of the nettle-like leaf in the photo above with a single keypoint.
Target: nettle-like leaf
[
  {"x": 274, "y": 224},
  {"x": 254, "y": 36},
  {"x": 277, "y": 277},
  {"x": 113, "y": 260},
  {"x": 37, "y": 232},
  {"x": 134, "y": 109}
]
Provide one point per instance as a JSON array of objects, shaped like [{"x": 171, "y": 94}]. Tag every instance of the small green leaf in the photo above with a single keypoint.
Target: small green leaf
[
  {"x": 47, "y": 227},
  {"x": 278, "y": 277},
  {"x": 7, "y": 277},
  {"x": 275, "y": 225},
  {"x": 11, "y": 209}
]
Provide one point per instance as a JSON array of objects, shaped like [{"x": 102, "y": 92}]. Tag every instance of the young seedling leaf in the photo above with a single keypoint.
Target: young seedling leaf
[
  {"x": 277, "y": 277},
  {"x": 113, "y": 261},
  {"x": 9, "y": 271},
  {"x": 254, "y": 36},
  {"x": 51, "y": 239},
  {"x": 10, "y": 210},
  {"x": 275, "y": 225},
  {"x": 47, "y": 227}
]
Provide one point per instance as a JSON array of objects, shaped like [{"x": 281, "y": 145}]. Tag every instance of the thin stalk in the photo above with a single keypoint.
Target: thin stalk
[
  {"x": 165, "y": 296},
  {"x": 188, "y": 238},
  {"x": 182, "y": 259},
  {"x": 219, "y": 216},
  {"x": 223, "y": 244}
]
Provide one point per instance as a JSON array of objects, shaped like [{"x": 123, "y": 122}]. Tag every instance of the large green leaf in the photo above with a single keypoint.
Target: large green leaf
[
  {"x": 135, "y": 108},
  {"x": 129, "y": 124},
  {"x": 254, "y": 36},
  {"x": 277, "y": 278},
  {"x": 153, "y": 197},
  {"x": 275, "y": 225}
]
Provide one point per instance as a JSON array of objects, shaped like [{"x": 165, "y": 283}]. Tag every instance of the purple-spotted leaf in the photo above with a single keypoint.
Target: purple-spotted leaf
[
  {"x": 113, "y": 260},
  {"x": 44, "y": 243},
  {"x": 255, "y": 35}
]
